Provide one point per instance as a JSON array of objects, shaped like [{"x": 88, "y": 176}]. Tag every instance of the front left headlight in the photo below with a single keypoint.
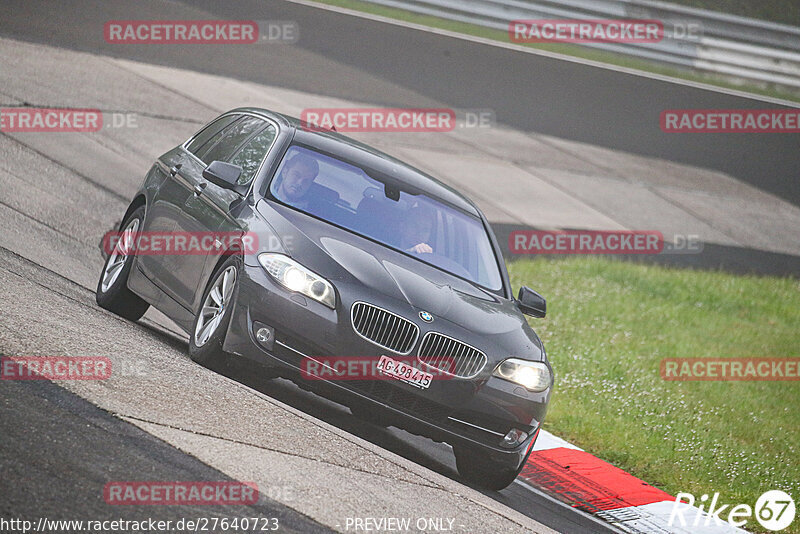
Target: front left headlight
[
  {"x": 295, "y": 277},
  {"x": 534, "y": 376}
]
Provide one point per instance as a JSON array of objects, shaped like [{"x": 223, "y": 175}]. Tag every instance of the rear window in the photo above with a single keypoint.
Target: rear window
[{"x": 416, "y": 224}]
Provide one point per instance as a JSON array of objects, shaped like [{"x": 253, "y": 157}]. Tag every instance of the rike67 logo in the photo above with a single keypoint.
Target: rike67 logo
[{"x": 774, "y": 510}]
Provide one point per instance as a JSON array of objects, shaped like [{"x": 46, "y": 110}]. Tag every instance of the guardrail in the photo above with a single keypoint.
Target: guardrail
[{"x": 733, "y": 46}]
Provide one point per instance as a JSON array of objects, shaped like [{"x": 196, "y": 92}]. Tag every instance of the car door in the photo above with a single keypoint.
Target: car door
[
  {"x": 169, "y": 199},
  {"x": 208, "y": 208}
]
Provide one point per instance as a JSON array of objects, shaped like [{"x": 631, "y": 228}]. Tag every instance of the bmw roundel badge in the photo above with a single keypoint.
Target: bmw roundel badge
[{"x": 425, "y": 316}]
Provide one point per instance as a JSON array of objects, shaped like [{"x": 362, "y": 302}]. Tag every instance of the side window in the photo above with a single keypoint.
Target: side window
[
  {"x": 208, "y": 132},
  {"x": 232, "y": 137},
  {"x": 250, "y": 156}
]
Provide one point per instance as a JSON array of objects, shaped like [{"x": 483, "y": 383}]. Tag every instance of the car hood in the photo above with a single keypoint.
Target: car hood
[{"x": 340, "y": 254}]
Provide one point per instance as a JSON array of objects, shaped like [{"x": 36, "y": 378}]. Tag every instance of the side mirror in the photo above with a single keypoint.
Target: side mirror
[
  {"x": 223, "y": 174},
  {"x": 531, "y": 303}
]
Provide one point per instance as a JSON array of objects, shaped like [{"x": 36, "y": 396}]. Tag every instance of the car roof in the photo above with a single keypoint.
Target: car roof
[{"x": 369, "y": 157}]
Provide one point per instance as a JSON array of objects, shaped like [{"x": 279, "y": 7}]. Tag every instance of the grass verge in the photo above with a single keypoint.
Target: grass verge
[
  {"x": 610, "y": 324},
  {"x": 566, "y": 49}
]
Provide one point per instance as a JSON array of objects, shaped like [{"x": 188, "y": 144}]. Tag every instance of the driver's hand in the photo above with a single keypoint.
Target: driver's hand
[{"x": 422, "y": 248}]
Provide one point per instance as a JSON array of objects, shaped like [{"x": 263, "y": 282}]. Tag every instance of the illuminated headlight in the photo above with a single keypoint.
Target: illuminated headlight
[
  {"x": 534, "y": 376},
  {"x": 295, "y": 277}
]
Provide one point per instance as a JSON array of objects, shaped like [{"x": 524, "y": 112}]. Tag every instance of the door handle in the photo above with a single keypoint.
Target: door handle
[
  {"x": 198, "y": 189},
  {"x": 174, "y": 170}
]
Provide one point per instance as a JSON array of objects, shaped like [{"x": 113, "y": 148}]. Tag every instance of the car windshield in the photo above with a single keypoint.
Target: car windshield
[{"x": 418, "y": 225}]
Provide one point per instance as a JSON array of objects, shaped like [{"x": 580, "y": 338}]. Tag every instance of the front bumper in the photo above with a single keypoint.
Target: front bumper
[{"x": 473, "y": 413}]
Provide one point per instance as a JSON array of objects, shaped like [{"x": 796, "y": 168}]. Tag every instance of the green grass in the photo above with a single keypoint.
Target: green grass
[
  {"x": 567, "y": 49},
  {"x": 609, "y": 325}
]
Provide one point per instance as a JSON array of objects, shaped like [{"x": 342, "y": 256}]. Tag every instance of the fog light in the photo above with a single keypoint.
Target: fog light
[
  {"x": 514, "y": 438},
  {"x": 264, "y": 335}
]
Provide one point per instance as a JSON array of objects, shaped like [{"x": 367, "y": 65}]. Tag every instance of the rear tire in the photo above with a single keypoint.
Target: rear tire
[
  {"x": 476, "y": 468},
  {"x": 212, "y": 319},
  {"x": 112, "y": 291}
]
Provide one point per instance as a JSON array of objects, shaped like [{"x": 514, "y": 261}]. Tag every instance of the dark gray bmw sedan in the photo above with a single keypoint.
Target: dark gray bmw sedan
[{"x": 345, "y": 270}]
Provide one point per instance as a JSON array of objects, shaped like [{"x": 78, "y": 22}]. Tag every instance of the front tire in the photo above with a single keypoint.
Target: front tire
[
  {"x": 112, "y": 291},
  {"x": 212, "y": 319}
]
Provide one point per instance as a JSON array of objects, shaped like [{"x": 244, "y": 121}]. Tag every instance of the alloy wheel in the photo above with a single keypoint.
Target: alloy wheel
[
  {"x": 116, "y": 261},
  {"x": 213, "y": 309}
]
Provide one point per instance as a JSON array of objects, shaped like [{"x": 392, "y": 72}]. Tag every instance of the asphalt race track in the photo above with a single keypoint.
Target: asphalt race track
[
  {"x": 79, "y": 445},
  {"x": 165, "y": 418},
  {"x": 349, "y": 57}
]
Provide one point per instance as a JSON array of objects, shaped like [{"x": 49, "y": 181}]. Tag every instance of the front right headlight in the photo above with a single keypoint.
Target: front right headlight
[
  {"x": 534, "y": 376},
  {"x": 295, "y": 277}
]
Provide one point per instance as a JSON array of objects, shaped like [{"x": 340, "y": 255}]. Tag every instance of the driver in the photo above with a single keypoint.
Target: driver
[
  {"x": 296, "y": 179},
  {"x": 417, "y": 230}
]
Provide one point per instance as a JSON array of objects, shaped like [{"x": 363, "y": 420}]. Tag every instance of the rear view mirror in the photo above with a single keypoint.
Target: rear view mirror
[
  {"x": 225, "y": 175},
  {"x": 531, "y": 303}
]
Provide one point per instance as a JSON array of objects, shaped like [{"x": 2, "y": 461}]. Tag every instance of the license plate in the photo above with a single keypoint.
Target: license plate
[{"x": 404, "y": 372}]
